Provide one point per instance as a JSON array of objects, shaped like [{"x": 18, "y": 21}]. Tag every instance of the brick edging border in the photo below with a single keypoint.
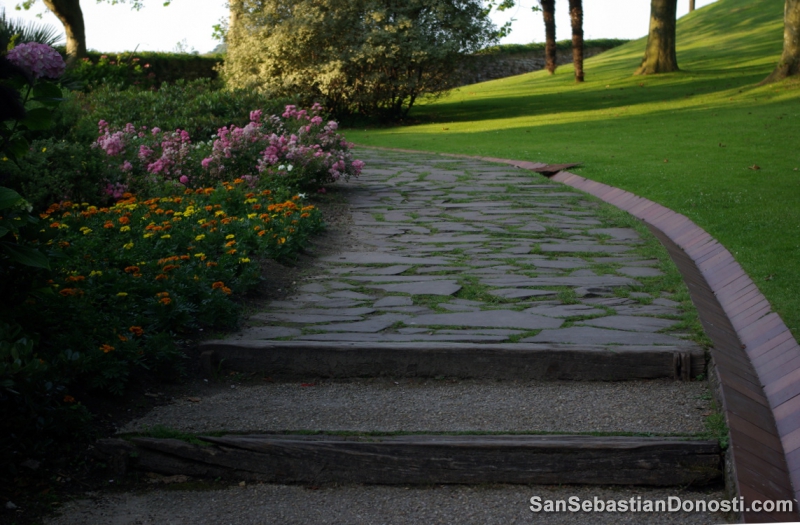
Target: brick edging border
[{"x": 756, "y": 360}]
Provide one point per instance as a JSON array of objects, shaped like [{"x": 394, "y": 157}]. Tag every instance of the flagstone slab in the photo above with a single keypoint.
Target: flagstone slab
[
  {"x": 383, "y": 258},
  {"x": 393, "y": 300},
  {"x": 477, "y": 205},
  {"x": 435, "y": 239},
  {"x": 640, "y": 271},
  {"x": 458, "y": 307},
  {"x": 304, "y": 318},
  {"x": 564, "y": 310},
  {"x": 519, "y": 281},
  {"x": 451, "y": 269},
  {"x": 488, "y": 318},
  {"x": 421, "y": 288},
  {"x": 587, "y": 248},
  {"x": 519, "y": 293},
  {"x": 587, "y": 335},
  {"x": 532, "y": 227},
  {"x": 631, "y": 323},
  {"x": 313, "y": 288},
  {"x": 371, "y": 325},
  {"x": 646, "y": 309},
  {"x": 396, "y": 278},
  {"x": 347, "y": 294}
]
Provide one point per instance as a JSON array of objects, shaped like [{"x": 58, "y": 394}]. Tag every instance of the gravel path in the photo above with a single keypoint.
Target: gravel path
[
  {"x": 660, "y": 407},
  {"x": 358, "y": 505}
]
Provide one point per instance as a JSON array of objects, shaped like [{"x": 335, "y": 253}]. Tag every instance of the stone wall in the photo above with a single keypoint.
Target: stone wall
[{"x": 480, "y": 68}]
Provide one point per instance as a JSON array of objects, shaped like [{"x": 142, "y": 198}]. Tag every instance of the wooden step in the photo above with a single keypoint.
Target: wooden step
[
  {"x": 426, "y": 459},
  {"x": 299, "y": 359}
]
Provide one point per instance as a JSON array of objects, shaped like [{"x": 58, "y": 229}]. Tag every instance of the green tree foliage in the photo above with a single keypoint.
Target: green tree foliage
[{"x": 372, "y": 57}]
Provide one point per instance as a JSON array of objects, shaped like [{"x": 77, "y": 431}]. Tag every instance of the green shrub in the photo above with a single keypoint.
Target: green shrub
[
  {"x": 200, "y": 107},
  {"x": 141, "y": 68},
  {"x": 374, "y": 57},
  {"x": 561, "y": 45},
  {"x": 55, "y": 170}
]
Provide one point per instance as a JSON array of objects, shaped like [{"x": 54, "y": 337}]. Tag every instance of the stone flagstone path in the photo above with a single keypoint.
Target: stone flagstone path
[{"x": 464, "y": 251}]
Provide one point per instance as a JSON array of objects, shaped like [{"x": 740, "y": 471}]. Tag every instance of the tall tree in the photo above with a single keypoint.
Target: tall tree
[
  {"x": 691, "y": 5},
  {"x": 576, "y": 17},
  {"x": 789, "y": 64},
  {"x": 549, "y": 15},
  {"x": 70, "y": 14},
  {"x": 659, "y": 56}
]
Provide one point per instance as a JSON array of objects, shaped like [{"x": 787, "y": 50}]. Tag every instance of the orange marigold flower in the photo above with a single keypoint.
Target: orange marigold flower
[
  {"x": 136, "y": 330},
  {"x": 162, "y": 294},
  {"x": 63, "y": 244},
  {"x": 262, "y": 233},
  {"x": 249, "y": 195},
  {"x": 217, "y": 285},
  {"x": 161, "y": 277},
  {"x": 211, "y": 264},
  {"x": 55, "y": 225},
  {"x": 185, "y": 257},
  {"x": 69, "y": 399},
  {"x": 70, "y": 291},
  {"x": 305, "y": 215},
  {"x": 266, "y": 192},
  {"x": 75, "y": 278},
  {"x": 169, "y": 267},
  {"x": 165, "y": 301},
  {"x": 227, "y": 220},
  {"x": 231, "y": 251},
  {"x": 226, "y": 290},
  {"x": 256, "y": 206},
  {"x": 108, "y": 224},
  {"x": 230, "y": 243},
  {"x": 132, "y": 269},
  {"x": 122, "y": 337},
  {"x": 208, "y": 208},
  {"x": 124, "y": 219},
  {"x": 107, "y": 348}
]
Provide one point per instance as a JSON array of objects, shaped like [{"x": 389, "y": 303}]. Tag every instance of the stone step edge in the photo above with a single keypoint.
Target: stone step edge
[
  {"x": 336, "y": 359},
  {"x": 425, "y": 459}
]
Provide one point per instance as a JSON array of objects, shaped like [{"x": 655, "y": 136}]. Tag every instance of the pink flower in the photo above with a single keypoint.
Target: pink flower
[
  {"x": 40, "y": 60},
  {"x": 184, "y": 180},
  {"x": 155, "y": 131},
  {"x": 316, "y": 120},
  {"x": 126, "y": 166},
  {"x": 207, "y": 162},
  {"x": 255, "y": 116},
  {"x": 332, "y": 125}
]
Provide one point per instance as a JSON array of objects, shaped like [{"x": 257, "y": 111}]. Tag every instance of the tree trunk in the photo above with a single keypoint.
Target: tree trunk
[
  {"x": 70, "y": 14},
  {"x": 789, "y": 64},
  {"x": 576, "y": 17},
  {"x": 691, "y": 5},
  {"x": 659, "y": 56},
  {"x": 549, "y": 15}
]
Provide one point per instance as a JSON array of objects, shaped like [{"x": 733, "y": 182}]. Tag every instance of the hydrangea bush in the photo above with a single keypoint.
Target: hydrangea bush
[
  {"x": 297, "y": 149},
  {"x": 40, "y": 60}
]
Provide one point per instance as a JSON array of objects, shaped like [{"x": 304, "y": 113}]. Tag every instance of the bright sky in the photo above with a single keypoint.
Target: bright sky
[{"x": 188, "y": 22}]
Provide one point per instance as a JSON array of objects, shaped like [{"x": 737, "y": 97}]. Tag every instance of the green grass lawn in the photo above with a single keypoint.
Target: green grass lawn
[{"x": 686, "y": 140}]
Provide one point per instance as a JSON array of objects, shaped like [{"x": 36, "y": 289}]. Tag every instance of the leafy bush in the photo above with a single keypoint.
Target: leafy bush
[
  {"x": 55, "y": 170},
  {"x": 200, "y": 107},
  {"x": 140, "y": 68},
  {"x": 561, "y": 45},
  {"x": 375, "y": 57}
]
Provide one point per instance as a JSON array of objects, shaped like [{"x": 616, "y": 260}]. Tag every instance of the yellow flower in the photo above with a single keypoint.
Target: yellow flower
[
  {"x": 122, "y": 294},
  {"x": 200, "y": 237},
  {"x": 219, "y": 213},
  {"x": 250, "y": 201},
  {"x": 128, "y": 246},
  {"x": 86, "y": 231},
  {"x": 95, "y": 272},
  {"x": 252, "y": 215},
  {"x": 201, "y": 255},
  {"x": 44, "y": 149},
  {"x": 230, "y": 236},
  {"x": 167, "y": 236},
  {"x": 125, "y": 229},
  {"x": 147, "y": 235},
  {"x": 244, "y": 260},
  {"x": 201, "y": 221}
]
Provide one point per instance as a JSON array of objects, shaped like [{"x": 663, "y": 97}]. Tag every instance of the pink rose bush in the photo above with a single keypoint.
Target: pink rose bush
[
  {"x": 40, "y": 60},
  {"x": 297, "y": 149}
]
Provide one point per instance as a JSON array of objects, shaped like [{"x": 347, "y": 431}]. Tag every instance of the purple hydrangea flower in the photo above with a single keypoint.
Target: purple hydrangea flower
[{"x": 40, "y": 60}]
